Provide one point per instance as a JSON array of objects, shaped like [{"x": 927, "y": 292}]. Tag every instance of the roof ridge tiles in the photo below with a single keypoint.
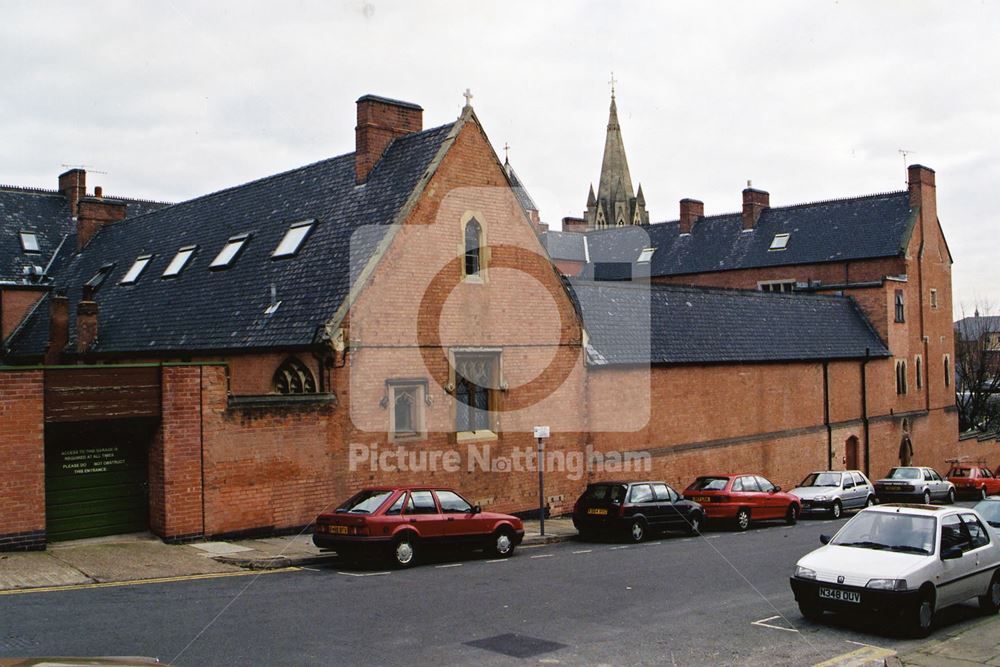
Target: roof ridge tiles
[
  {"x": 29, "y": 190},
  {"x": 667, "y": 287}
]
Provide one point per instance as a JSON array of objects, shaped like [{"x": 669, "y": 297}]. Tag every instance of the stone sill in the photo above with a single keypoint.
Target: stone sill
[{"x": 282, "y": 401}]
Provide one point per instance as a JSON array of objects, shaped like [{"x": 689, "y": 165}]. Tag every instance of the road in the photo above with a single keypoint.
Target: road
[{"x": 718, "y": 599}]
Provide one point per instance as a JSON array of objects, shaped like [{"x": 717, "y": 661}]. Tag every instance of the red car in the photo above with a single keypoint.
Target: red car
[
  {"x": 973, "y": 480},
  {"x": 400, "y": 522},
  {"x": 742, "y": 498}
]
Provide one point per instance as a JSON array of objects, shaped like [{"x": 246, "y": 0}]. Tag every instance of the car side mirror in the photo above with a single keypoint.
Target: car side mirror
[
  {"x": 776, "y": 489},
  {"x": 951, "y": 553},
  {"x": 476, "y": 509},
  {"x": 825, "y": 539}
]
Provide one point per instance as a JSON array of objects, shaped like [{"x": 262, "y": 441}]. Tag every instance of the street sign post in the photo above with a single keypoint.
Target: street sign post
[{"x": 541, "y": 432}]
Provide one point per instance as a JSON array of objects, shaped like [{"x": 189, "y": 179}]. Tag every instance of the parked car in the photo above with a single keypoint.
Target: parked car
[
  {"x": 973, "y": 481},
  {"x": 915, "y": 484},
  {"x": 903, "y": 561},
  {"x": 633, "y": 510},
  {"x": 400, "y": 522},
  {"x": 833, "y": 491},
  {"x": 742, "y": 498},
  {"x": 989, "y": 509}
]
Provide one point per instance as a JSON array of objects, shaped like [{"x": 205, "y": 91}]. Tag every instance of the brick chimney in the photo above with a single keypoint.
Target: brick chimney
[
  {"x": 95, "y": 212},
  {"x": 922, "y": 188},
  {"x": 380, "y": 120},
  {"x": 58, "y": 328},
  {"x": 691, "y": 211},
  {"x": 86, "y": 321},
  {"x": 754, "y": 203},
  {"x": 73, "y": 186}
]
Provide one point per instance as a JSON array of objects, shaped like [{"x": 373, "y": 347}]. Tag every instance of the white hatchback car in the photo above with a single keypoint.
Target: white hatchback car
[{"x": 904, "y": 561}]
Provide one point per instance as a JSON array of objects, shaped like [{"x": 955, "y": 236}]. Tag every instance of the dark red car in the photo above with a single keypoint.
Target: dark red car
[
  {"x": 973, "y": 480},
  {"x": 400, "y": 522},
  {"x": 742, "y": 498}
]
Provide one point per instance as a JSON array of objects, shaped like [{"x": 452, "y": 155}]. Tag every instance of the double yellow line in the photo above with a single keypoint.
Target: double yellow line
[{"x": 143, "y": 582}]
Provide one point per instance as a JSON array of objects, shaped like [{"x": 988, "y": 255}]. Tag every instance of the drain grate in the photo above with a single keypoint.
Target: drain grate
[
  {"x": 13, "y": 643},
  {"x": 516, "y": 646}
]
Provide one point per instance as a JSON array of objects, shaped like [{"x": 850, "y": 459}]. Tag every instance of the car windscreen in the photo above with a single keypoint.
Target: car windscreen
[
  {"x": 709, "y": 484},
  {"x": 989, "y": 510},
  {"x": 822, "y": 479},
  {"x": 959, "y": 472},
  {"x": 895, "y": 531},
  {"x": 365, "y": 502},
  {"x": 904, "y": 473},
  {"x": 612, "y": 493}
]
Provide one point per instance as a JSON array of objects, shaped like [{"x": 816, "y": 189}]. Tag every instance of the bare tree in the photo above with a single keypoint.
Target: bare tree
[{"x": 977, "y": 370}]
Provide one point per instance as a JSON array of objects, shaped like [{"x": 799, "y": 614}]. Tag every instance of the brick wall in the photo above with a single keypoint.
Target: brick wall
[
  {"x": 22, "y": 449},
  {"x": 14, "y": 305}
]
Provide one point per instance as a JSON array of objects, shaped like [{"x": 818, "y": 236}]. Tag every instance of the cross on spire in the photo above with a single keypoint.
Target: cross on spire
[
  {"x": 613, "y": 82},
  {"x": 506, "y": 149},
  {"x": 468, "y": 97}
]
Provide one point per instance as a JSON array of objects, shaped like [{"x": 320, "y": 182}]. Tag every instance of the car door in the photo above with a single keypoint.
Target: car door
[
  {"x": 940, "y": 485},
  {"x": 769, "y": 497},
  {"x": 460, "y": 524},
  {"x": 981, "y": 551},
  {"x": 863, "y": 487},
  {"x": 848, "y": 491},
  {"x": 643, "y": 502},
  {"x": 422, "y": 513},
  {"x": 928, "y": 482},
  {"x": 953, "y": 584},
  {"x": 666, "y": 511}
]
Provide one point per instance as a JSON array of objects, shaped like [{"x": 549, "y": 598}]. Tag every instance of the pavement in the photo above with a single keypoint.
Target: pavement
[{"x": 974, "y": 644}]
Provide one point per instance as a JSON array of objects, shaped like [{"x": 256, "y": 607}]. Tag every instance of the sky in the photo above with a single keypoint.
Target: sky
[{"x": 810, "y": 101}]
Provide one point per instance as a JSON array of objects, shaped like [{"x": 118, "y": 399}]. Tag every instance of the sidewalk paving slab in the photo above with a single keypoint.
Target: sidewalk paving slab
[{"x": 975, "y": 644}]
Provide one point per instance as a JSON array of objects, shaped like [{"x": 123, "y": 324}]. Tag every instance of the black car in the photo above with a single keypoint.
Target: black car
[{"x": 633, "y": 509}]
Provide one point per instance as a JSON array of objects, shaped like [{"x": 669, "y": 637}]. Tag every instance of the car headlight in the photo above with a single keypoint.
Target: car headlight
[
  {"x": 887, "y": 584},
  {"x": 804, "y": 572},
  {"x": 821, "y": 499}
]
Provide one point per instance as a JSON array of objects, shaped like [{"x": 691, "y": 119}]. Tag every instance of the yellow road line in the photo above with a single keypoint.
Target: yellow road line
[
  {"x": 142, "y": 582},
  {"x": 858, "y": 657}
]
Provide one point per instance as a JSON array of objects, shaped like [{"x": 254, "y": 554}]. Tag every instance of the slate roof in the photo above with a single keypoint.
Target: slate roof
[
  {"x": 844, "y": 229},
  {"x": 629, "y": 323},
  {"x": 972, "y": 328},
  {"x": 47, "y": 214},
  {"x": 566, "y": 245},
  {"x": 203, "y": 309},
  {"x": 523, "y": 198}
]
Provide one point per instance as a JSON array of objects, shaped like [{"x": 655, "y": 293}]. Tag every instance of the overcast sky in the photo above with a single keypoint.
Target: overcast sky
[{"x": 809, "y": 100}]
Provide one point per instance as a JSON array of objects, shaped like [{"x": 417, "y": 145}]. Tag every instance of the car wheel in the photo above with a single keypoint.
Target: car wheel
[
  {"x": 637, "y": 531},
  {"x": 922, "y": 616},
  {"x": 927, "y": 497},
  {"x": 694, "y": 524},
  {"x": 989, "y": 601},
  {"x": 792, "y": 515},
  {"x": 811, "y": 611},
  {"x": 982, "y": 493},
  {"x": 404, "y": 550},
  {"x": 743, "y": 519},
  {"x": 870, "y": 502},
  {"x": 502, "y": 543},
  {"x": 951, "y": 497},
  {"x": 836, "y": 510}
]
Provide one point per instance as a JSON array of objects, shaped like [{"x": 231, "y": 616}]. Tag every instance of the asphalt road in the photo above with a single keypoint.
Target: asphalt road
[{"x": 722, "y": 598}]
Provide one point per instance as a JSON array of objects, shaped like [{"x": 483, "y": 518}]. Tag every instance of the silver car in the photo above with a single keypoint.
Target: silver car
[
  {"x": 833, "y": 491},
  {"x": 914, "y": 484}
]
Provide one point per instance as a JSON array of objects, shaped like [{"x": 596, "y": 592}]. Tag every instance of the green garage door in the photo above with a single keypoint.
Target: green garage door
[{"x": 96, "y": 478}]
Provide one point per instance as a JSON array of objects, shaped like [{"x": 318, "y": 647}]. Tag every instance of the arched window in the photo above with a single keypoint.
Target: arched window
[
  {"x": 947, "y": 370},
  {"x": 292, "y": 377},
  {"x": 919, "y": 367},
  {"x": 900, "y": 377},
  {"x": 473, "y": 247}
]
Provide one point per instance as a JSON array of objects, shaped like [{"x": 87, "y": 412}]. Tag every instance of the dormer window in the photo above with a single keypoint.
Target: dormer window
[
  {"x": 179, "y": 261},
  {"x": 135, "y": 270},
  {"x": 229, "y": 252},
  {"x": 779, "y": 242},
  {"x": 293, "y": 239},
  {"x": 98, "y": 279},
  {"x": 29, "y": 242},
  {"x": 646, "y": 255}
]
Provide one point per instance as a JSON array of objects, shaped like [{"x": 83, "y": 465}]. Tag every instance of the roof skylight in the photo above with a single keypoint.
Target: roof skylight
[
  {"x": 229, "y": 252},
  {"x": 135, "y": 270},
  {"x": 646, "y": 255},
  {"x": 100, "y": 276},
  {"x": 29, "y": 242},
  {"x": 779, "y": 242},
  {"x": 293, "y": 239},
  {"x": 179, "y": 261}
]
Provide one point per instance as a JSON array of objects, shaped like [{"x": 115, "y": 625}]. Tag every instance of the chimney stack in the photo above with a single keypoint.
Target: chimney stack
[
  {"x": 921, "y": 183},
  {"x": 691, "y": 211},
  {"x": 754, "y": 203},
  {"x": 73, "y": 186},
  {"x": 94, "y": 213},
  {"x": 58, "y": 328},
  {"x": 380, "y": 120},
  {"x": 86, "y": 321}
]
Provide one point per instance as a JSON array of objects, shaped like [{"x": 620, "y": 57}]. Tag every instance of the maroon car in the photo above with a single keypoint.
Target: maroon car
[
  {"x": 743, "y": 498},
  {"x": 400, "y": 522}
]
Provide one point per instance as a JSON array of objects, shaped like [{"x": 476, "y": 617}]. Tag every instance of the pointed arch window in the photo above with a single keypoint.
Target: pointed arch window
[
  {"x": 292, "y": 377},
  {"x": 900, "y": 377},
  {"x": 473, "y": 248}
]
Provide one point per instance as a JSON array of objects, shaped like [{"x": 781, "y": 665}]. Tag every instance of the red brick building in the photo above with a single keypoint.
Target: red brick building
[{"x": 235, "y": 363}]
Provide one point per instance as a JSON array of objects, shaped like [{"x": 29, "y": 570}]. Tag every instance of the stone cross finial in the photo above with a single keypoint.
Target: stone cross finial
[
  {"x": 468, "y": 97},
  {"x": 506, "y": 149},
  {"x": 613, "y": 82}
]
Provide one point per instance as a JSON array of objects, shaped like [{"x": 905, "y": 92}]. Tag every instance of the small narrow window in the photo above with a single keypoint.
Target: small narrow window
[
  {"x": 900, "y": 306},
  {"x": 179, "y": 261},
  {"x": 229, "y": 252},
  {"x": 646, "y": 255},
  {"x": 293, "y": 239},
  {"x": 947, "y": 370},
  {"x": 135, "y": 270},
  {"x": 473, "y": 248},
  {"x": 100, "y": 276},
  {"x": 918, "y": 366},
  {"x": 29, "y": 242},
  {"x": 900, "y": 377},
  {"x": 934, "y": 303},
  {"x": 779, "y": 242}
]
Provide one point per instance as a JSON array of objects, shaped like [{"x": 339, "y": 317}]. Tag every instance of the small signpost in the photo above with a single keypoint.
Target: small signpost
[{"x": 541, "y": 432}]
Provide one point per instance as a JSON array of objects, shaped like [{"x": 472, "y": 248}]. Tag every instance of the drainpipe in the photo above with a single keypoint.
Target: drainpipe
[
  {"x": 864, "y": 407},
  {"x": 826, "y": 415}
]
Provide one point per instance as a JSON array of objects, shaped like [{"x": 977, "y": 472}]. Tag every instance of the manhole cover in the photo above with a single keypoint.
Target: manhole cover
[{"x": 516, "y": 646}]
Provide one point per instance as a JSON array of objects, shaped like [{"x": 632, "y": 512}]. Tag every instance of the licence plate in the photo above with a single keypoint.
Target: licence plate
[
  {"x": 893, "y": 487},
  {"x": 702, "y": 499},
  {"x": 598, "y": 511},
  {"x": 337, "y": 530},
  {"x": 839, "y": 595}
]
